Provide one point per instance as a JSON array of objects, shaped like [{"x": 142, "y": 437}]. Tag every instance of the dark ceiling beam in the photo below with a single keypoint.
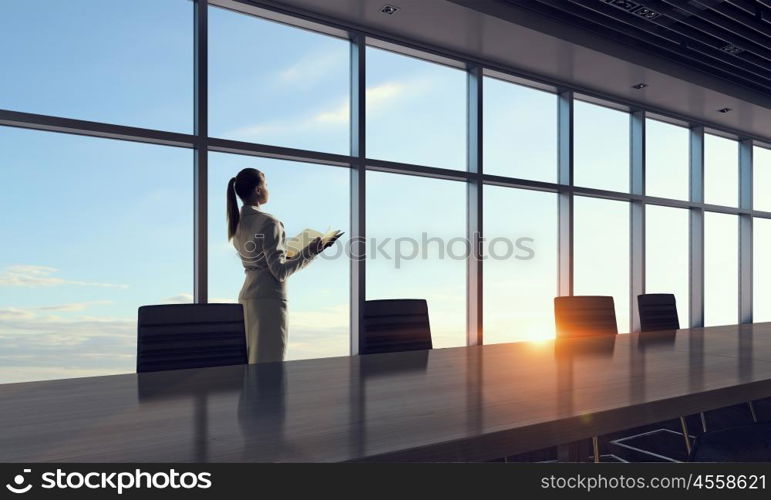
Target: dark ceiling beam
[
  {"x": 729, "y": 31},
  {"x": 673, "y": 60},
  {"x": 737, "y": 15},
  {"x": 580, "y": 9},
  {"x": 749, "y": 6},
  {"x": 697, "y": 43}
]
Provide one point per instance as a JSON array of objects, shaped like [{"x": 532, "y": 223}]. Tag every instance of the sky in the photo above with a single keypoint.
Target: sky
[{"x": 94, "y": 228}]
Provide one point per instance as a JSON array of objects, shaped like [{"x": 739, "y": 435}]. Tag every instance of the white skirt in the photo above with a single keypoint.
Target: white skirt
[{"x": 266, "y": 329}]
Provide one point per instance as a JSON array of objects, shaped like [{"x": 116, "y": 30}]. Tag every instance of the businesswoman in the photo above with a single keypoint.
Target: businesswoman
[{"x": 260, "y": 241}]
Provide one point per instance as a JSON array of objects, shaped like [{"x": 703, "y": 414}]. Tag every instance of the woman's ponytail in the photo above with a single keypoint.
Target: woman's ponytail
[
  {"x": 233, "y": 213},
  {"x": 244, "y": 185}
]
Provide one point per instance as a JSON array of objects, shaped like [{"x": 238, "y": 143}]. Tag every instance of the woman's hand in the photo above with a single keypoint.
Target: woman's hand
[{"x": 316, "y": 246}]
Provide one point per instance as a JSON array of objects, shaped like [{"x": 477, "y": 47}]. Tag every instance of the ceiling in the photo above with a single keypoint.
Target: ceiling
[
  {"x": 728, "y": 39},
  {"x": 526, "y": 37}
]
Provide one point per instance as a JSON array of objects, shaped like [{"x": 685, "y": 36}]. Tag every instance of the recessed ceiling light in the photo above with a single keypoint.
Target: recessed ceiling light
[
  {"x": 622, "y": 4},
  {"x": 724, "y": 110},
  {"x": 633, "y": 8},
  {"x": 646, "y": 13},
  {"x": 732, "y": 49},
  {"x": 389, "y": 9},
  {"x": 640, "y": 86}
]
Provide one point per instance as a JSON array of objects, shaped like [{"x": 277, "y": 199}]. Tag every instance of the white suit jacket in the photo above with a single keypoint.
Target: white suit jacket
[{"x": 261, "y": 243}]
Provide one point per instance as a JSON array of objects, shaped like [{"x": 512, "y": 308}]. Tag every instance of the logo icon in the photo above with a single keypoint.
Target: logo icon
[{"x": 18, "y": 481}]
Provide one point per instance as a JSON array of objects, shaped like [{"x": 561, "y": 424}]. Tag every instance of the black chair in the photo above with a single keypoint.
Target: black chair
[
  {"x": 585, "y": 316},
  {"x": 395, "y": 325},
  {"x": 179, "y": 336},
  {"x": 749, "y": 443},
  {"x": 658, "y": 311}
]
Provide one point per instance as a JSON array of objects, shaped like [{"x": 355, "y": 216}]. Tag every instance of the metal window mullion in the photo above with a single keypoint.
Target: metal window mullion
[
  {"x": 200, "y": 169},
  {"x": 696, "y": 272},
  {"x": 474, "y": 207},
  {"x": 565, "y": 198},
  {"x": 565, "y": 210},
  {"x": 745, "y": 231},
  {"x": 636, "y": 215},
  {"x": 358, "y": 190},
  {"x": 47, "y": 123}
]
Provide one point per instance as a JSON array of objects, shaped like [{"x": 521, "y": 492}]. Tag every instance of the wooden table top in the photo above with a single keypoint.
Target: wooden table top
[{"x": 466, "y": 403}]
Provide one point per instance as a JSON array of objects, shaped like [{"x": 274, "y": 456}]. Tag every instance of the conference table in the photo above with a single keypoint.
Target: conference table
[{"x": 455, "y": 404}]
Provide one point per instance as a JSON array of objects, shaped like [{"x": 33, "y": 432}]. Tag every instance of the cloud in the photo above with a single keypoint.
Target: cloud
[
  {"x": 42, "y": 276},
  {"x": 312, "y": 68},
  {"x": 180, "y": 298},
  {"x": 15, "y": 313},
  {"x": 378, "y": 97},
  {"x": 187, "y": 298},
  {"x": 338, "y": 115},
  {"x": 74, "y": 306},
  {"x": 333, "y": 318}
]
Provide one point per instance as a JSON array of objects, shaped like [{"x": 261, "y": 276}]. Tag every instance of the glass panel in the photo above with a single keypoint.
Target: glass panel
[
  {"x": 276, "y": 84},
  {"x": 721, "y": 171},
  {"x": 761, "y": 158},
  {"x": 416, "y": 111},
  {"x": 667, "y": 162},
  {"x": 667, "y": 248},
  {"x": 520, "y": 131},
  {"x": 601, "y": 252},
  {"x": 301, "y": 196},
  {"x": 129, "y": 63},
  {"x": 520, "y": 267},
  {"x": 761, "y": 268},
  {"x": 417, "y": 248},
  {"x": 94, "y": 228},
  {"x": 600, "y": 147},
  {"x": 721, "y": 269}
]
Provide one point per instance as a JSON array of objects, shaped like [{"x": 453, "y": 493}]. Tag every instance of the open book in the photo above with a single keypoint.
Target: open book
[{"x": 297, "y": 244}]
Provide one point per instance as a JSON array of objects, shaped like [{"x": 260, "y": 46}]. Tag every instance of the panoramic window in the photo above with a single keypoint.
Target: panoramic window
[
  {"x": 302, "y": 196},
  {"x": 667, "y": 163},
  {"x": 600, "y": 147},
  {"x": 761, "y": 159},
  {"x": 416, "y": 111},
  {"x": 520, "y": 131},
  {"x": 667, "y": 250},
  {"x": 721, "y": 171},
  {"x": 275, "y": 84},
  {"x": 95, "y": 228},
  {"x": 601, "y": 252},
  {"x": 417, "y": 247},
  {"x": 85, "y": 60},
  {"x": 520, "y": 266},
  {"x": 721, "y": 268}
]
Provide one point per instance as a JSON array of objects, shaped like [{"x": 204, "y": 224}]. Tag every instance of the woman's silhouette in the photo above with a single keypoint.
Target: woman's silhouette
[{"x": 260, "y": 241}]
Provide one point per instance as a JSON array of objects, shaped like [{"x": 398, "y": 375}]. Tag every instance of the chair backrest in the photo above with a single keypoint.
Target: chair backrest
[
  {"x": 178, "y": 336},
  {"x": 658, "y": 311},
  {"x": 395, "y": 325},
  {"x": 584, "y": 316}
]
